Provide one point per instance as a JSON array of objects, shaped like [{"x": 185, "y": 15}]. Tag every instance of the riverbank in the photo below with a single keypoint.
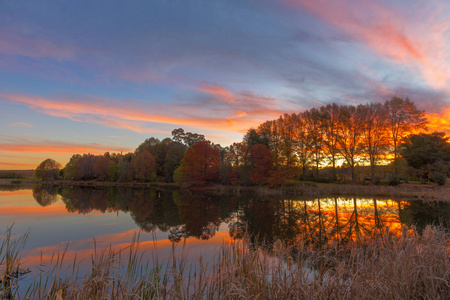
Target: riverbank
[{"x": 408, "y": 190}]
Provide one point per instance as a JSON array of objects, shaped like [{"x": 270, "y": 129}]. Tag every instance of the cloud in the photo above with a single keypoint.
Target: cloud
[
  {"x": 439, "y": 122},
  {"x": 12, "y": 144},
  {"x": 413, "y": 40},
  {"x": 21, "y": 124},
  {"x": 12, "y": 164},
  {"x": 214, "y": 108}
]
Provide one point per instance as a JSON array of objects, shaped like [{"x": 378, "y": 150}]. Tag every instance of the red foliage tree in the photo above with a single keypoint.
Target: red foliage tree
[
  {"x": 142, "y": 167},
  {"x": 201, "y": 163},
  {"x": 262, "y": 163},
  {"x": 101, "y": 167}
]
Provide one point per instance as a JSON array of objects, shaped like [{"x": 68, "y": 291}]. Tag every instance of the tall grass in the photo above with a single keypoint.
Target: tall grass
[
  {"x": 380, "y": 267},
  {"x": 10, "y": 267}
]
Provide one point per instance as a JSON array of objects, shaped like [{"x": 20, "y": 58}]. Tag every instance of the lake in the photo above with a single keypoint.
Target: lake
[{"x": 81, "y": 220}]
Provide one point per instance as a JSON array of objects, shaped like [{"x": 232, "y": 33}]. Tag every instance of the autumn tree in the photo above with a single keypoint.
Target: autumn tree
[
  {"x": 101, "y": 167},
  {"x": 329, "y": 127},
  {"x": 301, "y": 143},
  {"x": 48, "y": 169},
  {"x": 201, "y": 163},
  {"x": 312, "y": 119},
  {"x": 349, "y": 136},
  {"x": 261, "y": 164},
  {"x": 239, "y": 164},
  {"x": 142, "y": 167},
  {"x": 403, "y": 118},
  {"x": 374, "y": 133}
]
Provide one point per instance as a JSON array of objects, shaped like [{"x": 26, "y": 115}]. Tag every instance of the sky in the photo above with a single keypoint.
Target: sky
[{"x": 97, "y": 76}]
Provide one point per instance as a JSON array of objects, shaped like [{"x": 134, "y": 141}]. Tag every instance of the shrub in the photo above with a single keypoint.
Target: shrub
[{"x": 439, "y": 178}]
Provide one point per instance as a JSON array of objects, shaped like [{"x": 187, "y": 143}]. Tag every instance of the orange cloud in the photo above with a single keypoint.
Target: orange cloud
[
  {"x": 44, "y": 146},
  {"x": 419, "y": 43},
  {"x": 253, "y": 109},
  {"x": 439, "y": 122},
  {"x": 217, "y": 90},
  {"x": 11, "y": 164}
]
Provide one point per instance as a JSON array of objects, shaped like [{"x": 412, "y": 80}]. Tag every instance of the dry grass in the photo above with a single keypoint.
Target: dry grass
[{"x": 382, "y": 267}]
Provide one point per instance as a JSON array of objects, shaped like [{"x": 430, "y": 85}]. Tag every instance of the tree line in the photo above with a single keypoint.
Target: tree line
[{"x": 329, "y": 143}]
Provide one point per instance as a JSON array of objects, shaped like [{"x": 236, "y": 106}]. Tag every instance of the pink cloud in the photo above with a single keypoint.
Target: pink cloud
[
  {"x": 419, "y": 42},
  {"x": 219, "y": 113},
  {"x": 55, "y": 147}
]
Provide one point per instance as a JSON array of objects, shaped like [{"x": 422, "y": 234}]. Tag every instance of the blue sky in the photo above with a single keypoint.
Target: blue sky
[{"x": 96, "y": 76}]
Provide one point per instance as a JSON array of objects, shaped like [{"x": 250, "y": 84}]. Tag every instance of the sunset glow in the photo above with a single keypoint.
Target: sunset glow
[{"x": 75, "y": 79}]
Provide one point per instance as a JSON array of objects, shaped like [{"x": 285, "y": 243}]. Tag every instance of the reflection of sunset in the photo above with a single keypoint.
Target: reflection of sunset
[{"x": 119, "y": 243}]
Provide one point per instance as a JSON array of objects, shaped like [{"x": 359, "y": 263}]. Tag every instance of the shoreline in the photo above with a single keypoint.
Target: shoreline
[{"x": 409, "y": 190}]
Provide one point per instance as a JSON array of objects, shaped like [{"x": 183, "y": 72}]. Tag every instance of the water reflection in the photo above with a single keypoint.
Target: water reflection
[{"x": 315, "y": 222}]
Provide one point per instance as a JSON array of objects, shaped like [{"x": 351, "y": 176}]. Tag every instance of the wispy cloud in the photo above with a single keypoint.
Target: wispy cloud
[
  {"x": 214, "y": 108},
  {"x": 13, "y": 164},
  {"x": 21, "y": 124},
  {"x": 13, "y": 144},
  {"x": 414, "y": 40}
]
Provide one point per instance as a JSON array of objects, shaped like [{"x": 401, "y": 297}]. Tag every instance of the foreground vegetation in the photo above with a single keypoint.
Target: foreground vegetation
[{"x": 383, "y": 266}]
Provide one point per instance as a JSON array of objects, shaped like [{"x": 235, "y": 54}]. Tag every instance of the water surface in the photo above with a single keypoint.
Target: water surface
[{"x": 84, "y": 217}]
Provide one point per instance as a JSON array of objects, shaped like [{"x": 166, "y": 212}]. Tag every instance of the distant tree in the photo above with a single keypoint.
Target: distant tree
[
  {"x": 253, "y": 137},
  {"x": 403, "y": 117},
  {"x": 173, "y": 157},
  {"x": 84, "y": 168},
  {"x": 201, "y": 163},
  {"x": 69, "y": 169},
  {"x": 101, "y": 167},
  {"x": 143, "y": 167},
  {"x": 48, "y": 169},
  {"x": 349, "y": 136},
  {"x": 313, "y": 120},
  {"x": 187, "y": 138},
  {"x": 375, "y": 137},
  {"x": 113, "y": 171},
  {"x": 329, "y": 127}
]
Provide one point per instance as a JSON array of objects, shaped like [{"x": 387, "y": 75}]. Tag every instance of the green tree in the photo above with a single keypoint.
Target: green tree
[
  {"x": 187, "y": 138},
  {"x": 48, "y": 169},
  {"x": 428, "y": 153}
]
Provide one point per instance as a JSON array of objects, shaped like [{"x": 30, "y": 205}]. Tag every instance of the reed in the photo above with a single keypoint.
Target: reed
[{"x": 382, "y": 266}]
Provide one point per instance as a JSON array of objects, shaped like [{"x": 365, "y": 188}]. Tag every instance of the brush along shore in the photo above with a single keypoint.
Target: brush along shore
[{"x": 379, "y": 266}]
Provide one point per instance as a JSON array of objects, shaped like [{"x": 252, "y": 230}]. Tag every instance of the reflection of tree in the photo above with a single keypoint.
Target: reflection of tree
[
  {"x": 200, "y": 213},
  {"x": 45, "y": 195},
  {"x": 423, "y": 213},
  {"x": 316, "y": 223}
]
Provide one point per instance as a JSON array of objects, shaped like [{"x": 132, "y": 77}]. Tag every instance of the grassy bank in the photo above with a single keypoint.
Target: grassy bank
[{"x": 382, "y": 267}]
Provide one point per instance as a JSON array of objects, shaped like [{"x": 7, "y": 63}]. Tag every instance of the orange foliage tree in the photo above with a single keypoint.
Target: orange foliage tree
[{"x": 201, "y": 163}]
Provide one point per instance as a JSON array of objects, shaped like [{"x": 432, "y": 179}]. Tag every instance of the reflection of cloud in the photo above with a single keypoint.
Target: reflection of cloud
[
  {"x": 21, "y": 124},
  {"x": 82, "y": 250}
]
